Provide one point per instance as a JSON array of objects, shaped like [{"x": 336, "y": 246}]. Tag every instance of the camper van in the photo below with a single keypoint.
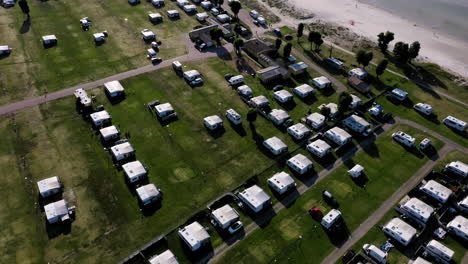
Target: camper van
[
  {"x": 403, "y": 138},
  {"x": 455, "y": 123},
  {"x": 375, "y": 253}
]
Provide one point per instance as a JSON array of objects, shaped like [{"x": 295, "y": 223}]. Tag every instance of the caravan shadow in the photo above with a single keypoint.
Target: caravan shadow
[{"x": 57, "y": 229}]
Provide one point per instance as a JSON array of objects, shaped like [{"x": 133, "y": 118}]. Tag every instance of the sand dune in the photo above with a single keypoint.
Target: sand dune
[{"x": 369, "y": 21}]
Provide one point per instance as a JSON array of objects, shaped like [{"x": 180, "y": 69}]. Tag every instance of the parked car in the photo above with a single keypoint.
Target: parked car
[{"x": 235, "y": 227}]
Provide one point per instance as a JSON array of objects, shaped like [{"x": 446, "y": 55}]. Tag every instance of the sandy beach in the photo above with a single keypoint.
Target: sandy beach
[{"x": 437, "y": 47}]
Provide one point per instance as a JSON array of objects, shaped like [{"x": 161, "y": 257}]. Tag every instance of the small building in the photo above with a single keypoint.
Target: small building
[
  {"x": 404, "y": 138},
  {"x": 194, "y": 235},
  {"x": 298, "y": 131},
  {"x": 82, "y": 97},
  {"x": 457, "y": 167},
  {"x": 455, "y": 123},
  {"x": 213, "y": 122},
  {"x": 333, "y": 109},
  {"x": 245, "y": 91},
  {"x": 148, "y": 35},
  {"x": 331, "y": 219},
  {"x": 303, "y": 90},
  {"x": 256, "y": 47},
  {"x": 436, "y": 191},
  {"x": 281, "y": 182},
  {"x": 223, "y": 18},
  {"x": 275, "y": 145},
  {"x": 300, "y": 163},
  {"x": 400, "y": 231},
  {"x": 224, "y": 217},
  {"x": 272, "y": 74},
  {"x": 122, "y": 151},
  {"x": 155, "y": 17},
  {"x": 355, "y": 102},
  {"x": 167, "y": 257},
  {"x": 335, "y": 63},
  {"x": 49, "y": 186},
  {"x": 206, "y": 5},
  {"x": 49, "y": 40},
  {"x": 57, "y": 212},
  {"x": 135, "y": 171},
  {"x": 315, "y": 120},
  {"x": 298, "y": 68},
  {"x": 148, "y": 194},
  {"x": 439, "y": 251},
  {"x": 417, "y": 209},
  {"x": 283, "y": 96},
  {"x": 358, "y": 73},
  {"x": 357, "y": 124},
  {"x": 190, "y": 8},
  {"x": 109, "y": 133},
  {"x": 338, "y": 136},
  {"x": 5, "y": 50},
  {"x": 259, "y": 101},
  {"x": 255, "y": 198},
  {"x": 321, "y": 82},
  {"x": 459, "y": 227},
  {"x": 399, "y": 94},
  {"x": 165, "y": 111},
  {"x": 100, "y": 119},
  {"x": 202, "y": 16},
  {"x": 173, "y": 14},
  {"x": 319, "y": 148},
  {"x": 278, "y": 116},
  {"x": 356, "y": 171},
  {"x": 359, "y": 84},
  {"x": 114, "y": 89}
]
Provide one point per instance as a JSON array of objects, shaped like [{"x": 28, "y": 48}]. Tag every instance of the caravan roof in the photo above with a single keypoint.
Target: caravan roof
[
  {"x": 283, "y": 95},
  {"x": 437, "y": 191},
  {"x": 300, "y": 66},
  {"x": 281, "y": 180},
  {"x": 460, "y": 224},
  {"x": 122, "y": 149},
  {"x": 167, "y": 257},
  {"x": 458, "y": 167},
  {"x": 194, "y": 235},
  {"x": 299, "y": 129},
  {"x": 316, "y": 120},
  {"x": 100, "y": 116},
  {"x": 56, "y": 209},
  {"x": 303, "y": 89},
  {"x": 114, "y": 87},
  {"x": 330, "y": 218},
  {"x": 278, "y": 115},
  {"x": 225, "y": 215},
  {"x": 109, "y": 131},
  {"x": 440, "y": 249},
  {"x": 259, "y": 100},
  {"x": 300, "y": 161},
  {"x": 275, "y": 144},
  {"x": 134, "y": 169},
  {"x": 48, "y": 184},
  {"x": 255, "y": 195},
  {"x": 148, "y": 192},
  {"x": 319, "y": 146},
  {"x": 166, "y": 107},
  {"x": 244, "y": 90},
  {"x": 401, "y": 229},
  {"x": 322, "y": 80},
  {"x": 419, "y": 208}
]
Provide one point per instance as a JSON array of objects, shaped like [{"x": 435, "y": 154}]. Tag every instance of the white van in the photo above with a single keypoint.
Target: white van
[
  {"x": 404, "y": 138},
  {"x": 254, "y": 14},
  {"x": 375, "y": 253},
  {"x": 399, "y": 94},
  {"x": 233, "y": 116},
  {"x": 455, "y": 123},
  {"x": 177, "y": 66},
  {"x": 235, "y": 80},
  {"x": 423, "y": 108}
]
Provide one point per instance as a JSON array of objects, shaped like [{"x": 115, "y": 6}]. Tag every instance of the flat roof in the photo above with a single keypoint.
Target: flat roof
[
  {"x": 114, "y": 86},
  {"x": 322, "y": 80},
  {"x": 56, "y": 209},
  {"x": 357, "y": 119},
  {"x": 440, "y": 248},
  {"x": 167, "y": 257},
  {"x": 316, "y": 118},
  {"x": 304, "y": 89},
  {"x": 401, "y": 229},
  {"x": 194, "y": 234},
  {"x": 279, "y": 114},
  {"x": 147, "y": 192},
  {"x": 460, "y": 224},
  {"x": 100, "y": 116},
  {"x": 319, "y": 145},
  {"x": 225, "y": 214},
  {"x": 358, "y": 71},
  {"x": 283, "y": 94},
  {"x": 109, "y": 131},
  {"x": 338, "y": 132},
  {"x": 300, "y": 161},
  {"x": 213, "y": 120},
  {"x": 244, "y": 89},
  {"x": 164, "y": 108},
  {"x": 275, "y": 143},
  {"x": 123, "y": 148},
  {"x": 260, "y": 100},
  {"x": 134, "y": 169},
  {"x": 255, "y": 196},
  {"x": 299, "y": 129},
  {"x": 281, "y": 180}
]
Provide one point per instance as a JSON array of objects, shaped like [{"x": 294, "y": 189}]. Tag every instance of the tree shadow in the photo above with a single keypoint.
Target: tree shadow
[
  {"x": 239, "y": 129},
  {"x": 25, "y": 26}
]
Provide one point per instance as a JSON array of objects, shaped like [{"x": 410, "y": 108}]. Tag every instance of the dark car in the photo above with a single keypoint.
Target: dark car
[
  {"x": 278, "y": 87},
  {"x": 329, "y": 198},
  {"x": 228, "y": 76}
]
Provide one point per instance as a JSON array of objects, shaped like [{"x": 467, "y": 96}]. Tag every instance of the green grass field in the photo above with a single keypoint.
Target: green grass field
[
  {"x": 377, "y": 237},
  {"x": 190, "y": 166},
  {"x": 293, "y": 236},
  {"x": 32, "y": 70}
]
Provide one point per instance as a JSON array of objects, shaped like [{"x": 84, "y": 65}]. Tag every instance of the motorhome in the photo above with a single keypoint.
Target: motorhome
[{"x": 403, "y": 138}]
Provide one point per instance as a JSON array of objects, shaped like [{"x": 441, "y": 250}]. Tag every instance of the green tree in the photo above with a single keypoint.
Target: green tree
[
  {"x": 311, "y": 38},
  {"x": 364, "y": 57},
  {"x": 236, "y": 6},
  {"x": 344, "y": 102},
  {"x": 381, "y": 67},
  {"x": 216, "y": 34},
  {"x": 23, "y": 4},
  {"x": 401, "y": 52},
  {"x": 252, "y": 115},
  {"x": 220, "y": 2},
  {"x": 278, "y": 43},
  {"x": 287, "y": 50},
  {"x": 300, "y": 30},
  {"x": 318, "y": 43},
  {"x": 413, "y": 50},
  {"x": 238, "y": 43},
  {"x": 384, "y": 39},
  {"x": 325, "y": 111}
]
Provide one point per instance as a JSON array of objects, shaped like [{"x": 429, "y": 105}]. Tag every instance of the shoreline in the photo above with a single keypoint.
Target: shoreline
[{"x": 436, "y": 47}]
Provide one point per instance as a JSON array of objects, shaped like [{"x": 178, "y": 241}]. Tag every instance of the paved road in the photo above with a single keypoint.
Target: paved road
[
  {"x": 372, "y": 220},
  {"x": 193, "y": 55}
]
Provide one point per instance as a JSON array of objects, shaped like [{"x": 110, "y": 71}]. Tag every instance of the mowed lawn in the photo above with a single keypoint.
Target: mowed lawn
[
  {"x": 190, "y": 166},
  {"x": 293, "y": 236},
  {"x": 32, "y": 70},
  {"x": 377, "y": 237}
]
